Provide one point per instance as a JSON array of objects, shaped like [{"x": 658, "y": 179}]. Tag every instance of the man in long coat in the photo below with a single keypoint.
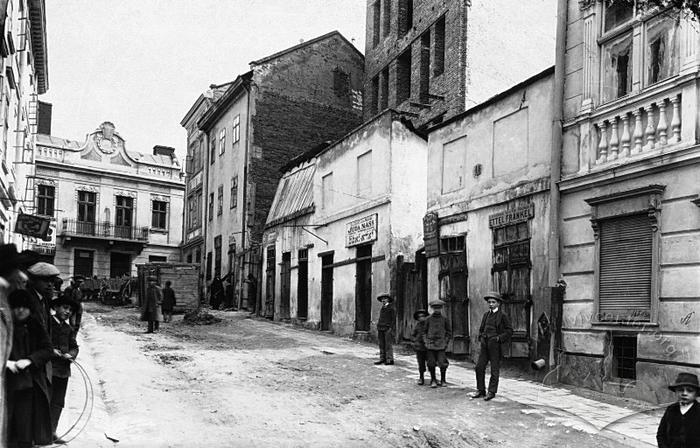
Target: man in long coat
[
  {"x": 27, "y": 385},
  {"x": 11, "y": 279},
  {"x": 151, "y": 307}
]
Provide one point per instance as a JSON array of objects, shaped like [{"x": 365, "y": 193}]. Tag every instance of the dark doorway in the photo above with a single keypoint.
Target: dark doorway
[
  {"x": 285, "y": 279},
  {"x": 363, "y": 288},
  {"x": 119, "y": 264},
  {"x": 303, "y": 285},
  {"x": 326, "y": 291},
  {"x": 270, "y": 284},
  {"x": 82, "y": 264},
  {"x": 411, "y": 292}
]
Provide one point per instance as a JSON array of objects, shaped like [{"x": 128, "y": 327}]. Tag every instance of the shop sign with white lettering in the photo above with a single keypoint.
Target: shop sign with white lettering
[{"x": 360, "y": 231}]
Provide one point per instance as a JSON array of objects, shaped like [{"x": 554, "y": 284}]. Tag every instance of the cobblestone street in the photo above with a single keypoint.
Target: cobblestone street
[{"x": 251, "y": 383}]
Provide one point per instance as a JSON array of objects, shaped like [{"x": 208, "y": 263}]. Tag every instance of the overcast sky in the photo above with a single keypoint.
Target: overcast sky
[{"x": 142, "y": 63}]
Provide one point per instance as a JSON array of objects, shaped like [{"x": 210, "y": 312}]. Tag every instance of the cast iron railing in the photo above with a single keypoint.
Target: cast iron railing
[{"x": 103, "y": 230}]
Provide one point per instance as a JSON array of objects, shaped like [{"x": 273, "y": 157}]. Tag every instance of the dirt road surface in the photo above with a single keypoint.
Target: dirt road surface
[{"x": 249, "y": 383}]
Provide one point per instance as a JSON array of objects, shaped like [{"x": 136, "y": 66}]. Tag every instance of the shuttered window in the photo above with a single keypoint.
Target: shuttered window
[{"x": 625, "y": 268}]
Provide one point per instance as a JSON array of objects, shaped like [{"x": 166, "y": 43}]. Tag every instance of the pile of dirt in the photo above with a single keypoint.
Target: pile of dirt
[{"x": 200, "y": 317}]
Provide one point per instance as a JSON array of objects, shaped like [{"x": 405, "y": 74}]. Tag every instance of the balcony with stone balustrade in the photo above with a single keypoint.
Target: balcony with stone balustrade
[{"x": 656, "y": 122}]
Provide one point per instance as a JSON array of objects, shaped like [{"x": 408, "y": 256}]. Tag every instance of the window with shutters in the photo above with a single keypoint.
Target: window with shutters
[
  {"x": 625, "y": 227},
  {"x": 624, "y": 281}
]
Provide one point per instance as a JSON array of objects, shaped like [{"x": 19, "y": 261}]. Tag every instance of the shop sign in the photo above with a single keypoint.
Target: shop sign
[
  {"x": 360, "y": 231},
  {"x": 430, "y": 235},
  {"x": 35, "y": 226},
  {"x": 512, "y": 216}
]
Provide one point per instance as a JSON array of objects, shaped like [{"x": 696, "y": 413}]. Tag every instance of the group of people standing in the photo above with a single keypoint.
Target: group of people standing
[
  {"x": 432, "y": 333},
  {"x": 38, "y": 328},
  {"x": 158, "y": 304}
]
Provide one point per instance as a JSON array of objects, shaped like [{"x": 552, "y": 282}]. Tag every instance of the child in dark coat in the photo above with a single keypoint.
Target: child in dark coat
[
  {"x": 65, "y": 349},
  {"x": 680, "y": 425},
  {"x": 385, "y": 329},
  {"x": 438, "y": 333},
  {"x": 29, "y": 420},
  {"x": 418, "y": 338}
]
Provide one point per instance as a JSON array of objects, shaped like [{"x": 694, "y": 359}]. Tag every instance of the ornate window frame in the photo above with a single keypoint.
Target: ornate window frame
[{"x": 630, "y": 202}]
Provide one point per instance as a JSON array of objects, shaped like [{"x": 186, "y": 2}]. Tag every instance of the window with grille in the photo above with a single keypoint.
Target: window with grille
[
  {"x": 46, "y": 196},
  {"x": 220, "y": 200},
  {"x": 212, "y": 150},
  {"x": 159, "y": 218},
  {"x": 625, "y": 268},
  {"x": 624, "y": 362},
  {"x": 211, "y": 206}
]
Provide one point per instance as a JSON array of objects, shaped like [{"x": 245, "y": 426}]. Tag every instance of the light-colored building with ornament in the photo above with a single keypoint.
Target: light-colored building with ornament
[{"x": 110, "y": 208}]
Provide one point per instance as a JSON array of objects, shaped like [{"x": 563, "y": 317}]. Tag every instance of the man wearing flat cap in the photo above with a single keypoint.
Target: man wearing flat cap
[
  {"x": 494, "y": 332},
  {"x": 42, "y": 279},
  {"x": 385, "y": 329}
]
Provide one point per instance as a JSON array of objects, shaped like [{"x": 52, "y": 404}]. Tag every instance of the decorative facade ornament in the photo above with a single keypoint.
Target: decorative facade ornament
[
  {"x": 90, "y": 188},
  {"x": 49, "y": 182},
  {"x": 107, "y": 140},
  {"x": 127, "y": 193},
  {"x": 161, "y": 198},
  {"x": 585, "y": 4}
]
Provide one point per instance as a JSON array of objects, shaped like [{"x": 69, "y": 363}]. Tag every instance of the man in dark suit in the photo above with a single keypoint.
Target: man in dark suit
[
  {"x": 65, "y": 349},
  {"x": 495, "y": 331}
]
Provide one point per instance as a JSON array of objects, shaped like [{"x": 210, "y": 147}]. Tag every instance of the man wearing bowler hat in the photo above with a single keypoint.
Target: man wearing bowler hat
[
  {"x": 151, "y": 311},
  {"x": 385, "y": 329},
  {"x": 680, "y": 425},
  {"x": 495, "y": 331}
]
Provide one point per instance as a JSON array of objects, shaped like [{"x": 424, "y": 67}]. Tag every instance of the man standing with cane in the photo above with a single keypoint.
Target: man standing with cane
[{"x": 495, "y": 331}]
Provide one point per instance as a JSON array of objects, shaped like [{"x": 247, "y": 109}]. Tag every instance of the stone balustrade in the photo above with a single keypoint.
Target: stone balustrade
[
  {"x": 46, "y": 152},
  {"x": 639, "y": 128}
]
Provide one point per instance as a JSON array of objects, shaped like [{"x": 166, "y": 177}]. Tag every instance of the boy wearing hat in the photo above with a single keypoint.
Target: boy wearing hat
[
  {"x": 438, "y": 333},
  {"x": 494, "y": 332},
  {"x": 418, "y": 339},
  {"x": 65, "y": 349},
  {"x": 385, "y": 333},
  {"x": 27, "y": 385},
  {"x": 680, "y": 425}
]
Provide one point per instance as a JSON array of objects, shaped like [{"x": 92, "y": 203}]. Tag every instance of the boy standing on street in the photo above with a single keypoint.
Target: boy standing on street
[
  {"x": 438, "y": 333},
  {"x": 418, "y": 338},
  {"x": 65, "y": 349},
  {"x": 385, "y": 330},
  {"x": 680, "y": 425},
  {"x": 494, "y": 332}
]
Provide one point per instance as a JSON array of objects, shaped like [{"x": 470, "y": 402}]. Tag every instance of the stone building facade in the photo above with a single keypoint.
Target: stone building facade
[
  {"x": 629, "y": 216},
  {"x": 286, "y": 103},
  {"x": 110, "y": 208},
  {"x": 23, "y": 76},
  {"x": 487, "y": 225},
  {"x": 435, "y": 58},
  {"x": 343, "y": 220}
]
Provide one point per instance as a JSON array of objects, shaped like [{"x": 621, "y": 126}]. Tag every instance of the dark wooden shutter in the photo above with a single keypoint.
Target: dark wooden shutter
[{"x": 625, "y": 268}]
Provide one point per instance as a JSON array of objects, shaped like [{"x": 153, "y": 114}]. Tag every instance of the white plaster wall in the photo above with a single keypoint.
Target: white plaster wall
[
  {"x": 226, "y": 166},
  {"x": 506, "y": 43}
]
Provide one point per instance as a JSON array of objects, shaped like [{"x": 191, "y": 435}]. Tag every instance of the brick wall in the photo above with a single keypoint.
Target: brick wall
[
  {"x": 303, "y": 98},
  {"x": 443, "y": 93}
]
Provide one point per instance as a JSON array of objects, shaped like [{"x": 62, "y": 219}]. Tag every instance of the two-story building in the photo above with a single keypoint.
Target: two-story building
[
  {"x": 110, "y": 208},
  {"x": 286, "y": 103},
  {"x": 344, "y": 221},
  {"x": 23, "y": 76},
  {"x": 629, "y": 214},
  {"x": 488, "y": 212}
]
